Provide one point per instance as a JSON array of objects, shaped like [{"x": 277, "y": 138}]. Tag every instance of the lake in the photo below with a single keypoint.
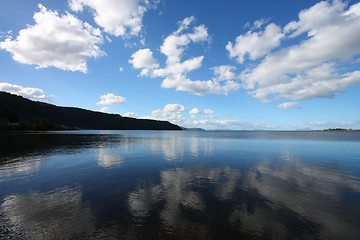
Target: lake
[{"x": 180, "y": 185}]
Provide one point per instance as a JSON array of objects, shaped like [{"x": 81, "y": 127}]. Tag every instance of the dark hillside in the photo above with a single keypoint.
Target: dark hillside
[{"x": 14, "y": 108}]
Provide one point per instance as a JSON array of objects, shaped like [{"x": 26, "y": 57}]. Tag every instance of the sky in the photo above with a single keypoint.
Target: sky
[{"x": 235, "y": 65}]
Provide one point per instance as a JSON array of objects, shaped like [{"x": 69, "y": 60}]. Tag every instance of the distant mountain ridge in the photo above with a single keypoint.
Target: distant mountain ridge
[{"x": 25, "y": 110}]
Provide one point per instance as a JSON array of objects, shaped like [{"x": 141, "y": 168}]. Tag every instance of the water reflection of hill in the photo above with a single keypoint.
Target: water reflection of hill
[
  {"x": 22, "y": 153},
  {"x": 20, "y": 144}
]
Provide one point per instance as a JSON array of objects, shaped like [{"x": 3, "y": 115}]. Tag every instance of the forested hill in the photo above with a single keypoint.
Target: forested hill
[{"x": 19, "y": 112}]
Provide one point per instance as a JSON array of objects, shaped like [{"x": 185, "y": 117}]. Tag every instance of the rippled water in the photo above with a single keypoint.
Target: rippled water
[{"x": 180, "y": 185}]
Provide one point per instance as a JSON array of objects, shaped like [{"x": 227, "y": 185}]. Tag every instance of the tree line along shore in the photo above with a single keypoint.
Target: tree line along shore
[{"x": 18, "y": 113}]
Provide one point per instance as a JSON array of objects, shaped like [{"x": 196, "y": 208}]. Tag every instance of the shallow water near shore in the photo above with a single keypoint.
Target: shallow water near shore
[{"x": 180, "y": 185}]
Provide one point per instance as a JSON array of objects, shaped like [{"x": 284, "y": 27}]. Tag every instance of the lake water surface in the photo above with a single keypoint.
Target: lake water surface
[{"x": 180, "y": 185}]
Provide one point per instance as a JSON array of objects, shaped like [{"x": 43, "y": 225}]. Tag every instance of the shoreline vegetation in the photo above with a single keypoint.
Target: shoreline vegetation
[
  {"x": 18, "y": 114},
  {"x": 35, "y": 124},
  {"x": 341, "y": 129}
]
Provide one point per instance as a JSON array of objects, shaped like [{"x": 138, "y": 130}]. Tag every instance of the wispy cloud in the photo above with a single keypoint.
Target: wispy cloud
[{"x": 287, "y": 105}]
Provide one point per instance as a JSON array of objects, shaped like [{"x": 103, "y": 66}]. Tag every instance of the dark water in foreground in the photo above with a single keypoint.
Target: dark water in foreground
[{"x": 180, "y": 185}]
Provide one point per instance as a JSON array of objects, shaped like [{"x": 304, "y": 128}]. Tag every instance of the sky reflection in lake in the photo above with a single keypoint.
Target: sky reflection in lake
[{"x": 180, "y": 185}]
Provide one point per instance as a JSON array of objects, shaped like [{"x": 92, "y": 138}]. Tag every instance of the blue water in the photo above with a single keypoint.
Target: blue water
[{"x": 180, "y": 185}]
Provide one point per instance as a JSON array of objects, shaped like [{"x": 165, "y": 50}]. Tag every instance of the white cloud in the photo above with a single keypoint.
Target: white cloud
[
  {"x": 32, "y": 93},
  {"x": 174, "y": 44},
  {"x": 4, "y": 35},
  {"x": 259, "y": 23},
  {"x": 57, "y": 41},
  {"x": 105, "y": 109},
  {"x": 321, "y": 81},
  {"x": 173, "y": 47},
  {"x": 200, "y": 34},
  {"x": 116, "y": 17},
  {"x": 131, "y": 115},
  {"x": 108, "y": 39},
  {"x": 181, "y": 83},
  {"x": 111, "y": 99},
  {"x": 121, "y": 69},
  {"x": 223, "y": 73},
  {"x": 316, "y": 67},
  {"x": 176, "y": 113},
  {"x": 206, "y": 119},
  {"x": 209, "y": 111},
  {"x": 313, "y": 19},
  {"x": 179, "y": 68},
  {"x": 226, "y": 124},
  {"x": 319, "y": 123},
  {"x": 143, "y": 58},
  {"x": 195, "y": 111},
  {"x": 255, "y": 44},
  {"x": 287, "y": 105},
  {"x": 171, "y": 112},
  {"x": 350, "y": 124},
  {"x": 145, "y": 72},
  {"x": 184, "y": 24},
  {"x": 198, "y": 114},
  {"x": 175, "y": 72},
  {"x": 174, "y": 108}
]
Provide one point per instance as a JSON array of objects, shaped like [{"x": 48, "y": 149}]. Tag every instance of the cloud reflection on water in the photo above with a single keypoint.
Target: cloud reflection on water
[
  {"x": 20, "y": 166},
  {"x": 193, "y": 187},
  {"x": 177, "y": 196},
  {"x": 107, "y": 160},
  {"x": 170, "y": 146},
  {"x": 52, "y": 215},
  {"x": 174, "y": 147},
  {"x": 293, "y": 200},
  {"x": 315, "y": 194}
]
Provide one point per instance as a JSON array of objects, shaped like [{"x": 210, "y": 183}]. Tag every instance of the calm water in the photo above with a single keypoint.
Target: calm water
[{"x": 180, "y": 185}]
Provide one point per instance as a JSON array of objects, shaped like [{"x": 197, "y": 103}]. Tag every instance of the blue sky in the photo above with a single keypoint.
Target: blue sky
[{"x": 210, "y": 64}]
